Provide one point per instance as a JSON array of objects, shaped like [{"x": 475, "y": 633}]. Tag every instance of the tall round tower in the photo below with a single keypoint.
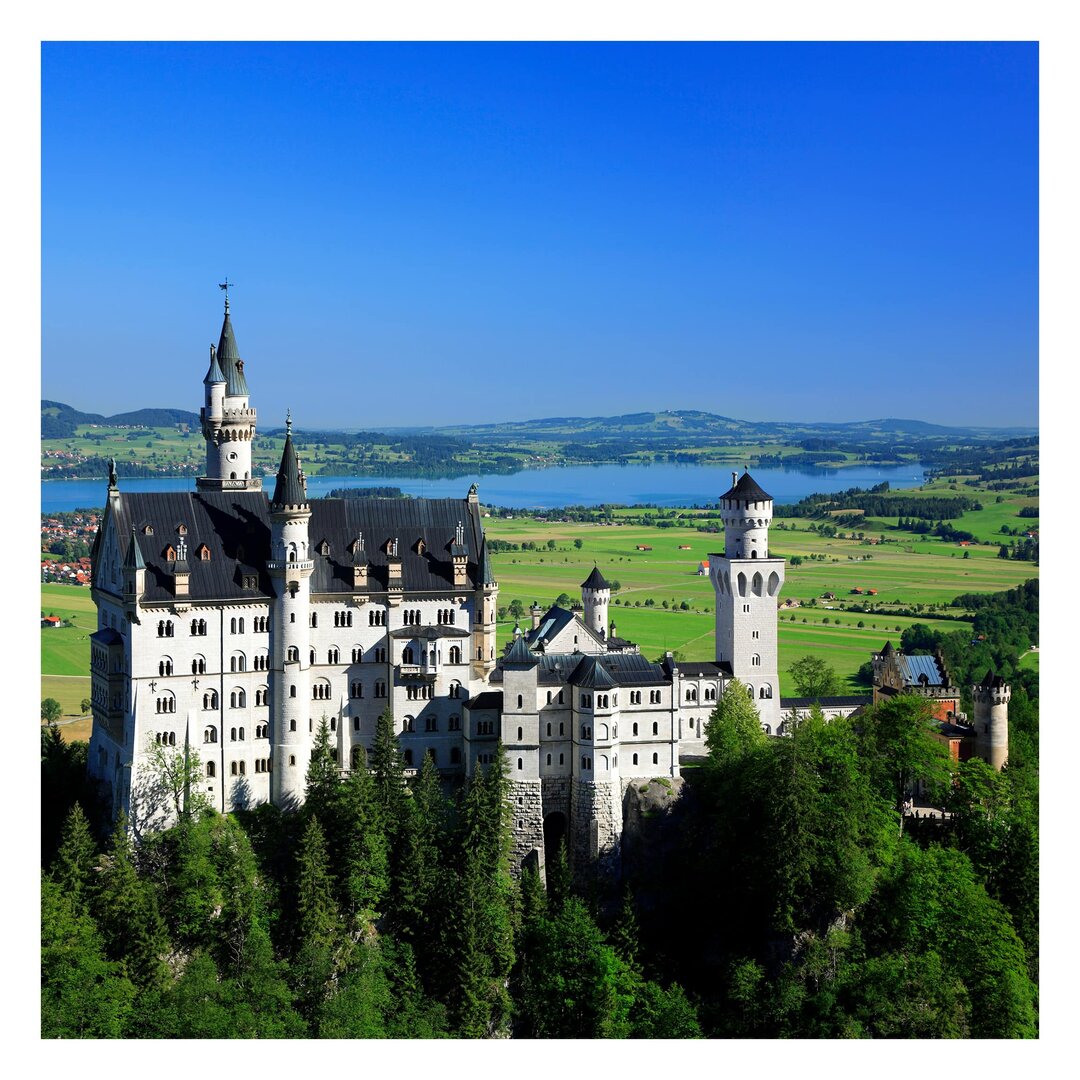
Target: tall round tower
[
  {"x": 747, "y": 583},
  {"x": 290, "y": 569},
  {"x": 596, "y": 595},
  {"x": 228, "y": 421},
  {"x": 991, "y": 698}
]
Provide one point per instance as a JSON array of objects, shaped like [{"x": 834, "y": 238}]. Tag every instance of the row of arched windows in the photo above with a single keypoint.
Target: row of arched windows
[
  {"x": 166, "y": 704},
  {"x": 419, "y": 693},
  {"x": 445, "y": 616},
  {"x": 377, "y": 617},
  {"x": 198, "y": 628},
  {"x": 165, "y": 738},
  {"x": 165, "y": 628}
]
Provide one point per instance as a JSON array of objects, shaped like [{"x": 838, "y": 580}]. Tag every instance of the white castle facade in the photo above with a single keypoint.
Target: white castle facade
[{"x": 231, "y": 622}]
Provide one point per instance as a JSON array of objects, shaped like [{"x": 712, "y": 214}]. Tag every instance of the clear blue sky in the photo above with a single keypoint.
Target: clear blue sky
[{"x": 452, "y": 233}]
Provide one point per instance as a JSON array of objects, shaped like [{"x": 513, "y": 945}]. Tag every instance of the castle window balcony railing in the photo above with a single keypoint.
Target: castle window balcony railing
[
  {"x": 299, "y": 565},
  {"x": 416, "y": 671}
]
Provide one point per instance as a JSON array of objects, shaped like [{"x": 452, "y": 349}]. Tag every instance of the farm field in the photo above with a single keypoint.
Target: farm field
[{"x": 930, "y": 573}]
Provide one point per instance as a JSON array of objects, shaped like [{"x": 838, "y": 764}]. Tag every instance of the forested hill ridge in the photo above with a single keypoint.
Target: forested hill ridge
[
  {"x": 59, "y": 421},
  {"x": 705, "y": 425},
  {"x": 150, "y": 442}
]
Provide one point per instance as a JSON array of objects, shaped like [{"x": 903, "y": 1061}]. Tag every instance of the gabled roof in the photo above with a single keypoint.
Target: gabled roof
[
  {"x": 590, "y": 674},
  {"x": 914, "y": 667},
  {"x": 746, "y": 487},
  {"x": 595, "y": 580}
]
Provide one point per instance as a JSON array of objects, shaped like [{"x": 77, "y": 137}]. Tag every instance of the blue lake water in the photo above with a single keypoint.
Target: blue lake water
[{"x": 572, "y": 485}]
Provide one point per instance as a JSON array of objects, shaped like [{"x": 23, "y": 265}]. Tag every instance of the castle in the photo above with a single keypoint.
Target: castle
[{"x": 232, "y": 623}]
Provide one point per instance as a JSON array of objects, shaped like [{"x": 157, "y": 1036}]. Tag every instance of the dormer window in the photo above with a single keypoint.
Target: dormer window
[
  {"x": 148, "y": 530},
  {"x": 251, "y": 581},
  {"x": 202, "y": 553},
  {"x": 170, "y": 554},
  {"x": 181, "y": 529},
  {"x": 323, "y": 547},
  {"x": 420, "y": 547}
]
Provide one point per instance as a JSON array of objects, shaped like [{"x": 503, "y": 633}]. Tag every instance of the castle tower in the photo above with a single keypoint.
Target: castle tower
[
  {"x": 596, "y": 595},
  {"x": 484, "y": 608},
  {"x": 595, "y": 789},
  {"x": 747, "y": 583},
  {"x": 228, "y": 421},
  {"x": 290, "y": 568},
  {"x": 521, "y": 743},
  {"x": 991, "y": 698}
]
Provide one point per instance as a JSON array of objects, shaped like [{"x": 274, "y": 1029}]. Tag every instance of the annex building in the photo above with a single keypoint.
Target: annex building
[{"x": 232, "y": 620}]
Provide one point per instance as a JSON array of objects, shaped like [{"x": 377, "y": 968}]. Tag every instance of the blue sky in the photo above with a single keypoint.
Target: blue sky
[{"x": 430, "y": 233}]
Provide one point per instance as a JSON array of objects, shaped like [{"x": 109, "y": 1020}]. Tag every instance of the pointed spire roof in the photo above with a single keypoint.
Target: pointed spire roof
[
  {"x": 228, "y": 356},
  {"x": 214, "y": 374},
  {"x": 596, "y": 580},
  {"x": 746, "y": 487},
  {"x": 519, "y": 653},
  {"x": 134, "y": 559},
  {"x": 487, "y": 576},
  {"x": 291, "y": 486},
  {"x": 888, "y": 650}
]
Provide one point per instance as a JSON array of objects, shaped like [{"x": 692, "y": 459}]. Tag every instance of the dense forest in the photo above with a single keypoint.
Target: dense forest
[{"x": 780, "y": 892}]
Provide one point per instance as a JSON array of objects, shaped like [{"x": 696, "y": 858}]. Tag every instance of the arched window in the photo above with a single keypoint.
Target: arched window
[
  {"x": 292, "y": 725},
  {"x": 407, "y": 655},
  {"x": 210, "y": 699},
  {"x": 521, "y": 764},
  {"x": 407, "y": 758},
  {"x": 755, "y": 660},
  {"x": 655, "y": 728},
  {"x": 656, "y": 759},
  {"x": 635, "y": 729},
  {"x": 635, "y": 759},
  {"x": 292, "y": 690},
  {"x": 210, "y": 734},
  {"x": 211, "y": 769},
  {"x": 293, "y": 654},
  {"x": 455, "y": 654},
  {"x": 332, "y": 655},
  {"x": 165, "y": 666}
]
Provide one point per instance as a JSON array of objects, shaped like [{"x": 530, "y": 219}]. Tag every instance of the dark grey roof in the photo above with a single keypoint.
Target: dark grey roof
[
  {"x": 235, "y": 527},
  {"x": 990, "y": 680},
  {"x": 489, "y": 699},
  {"x": 551, "y": 623},
  {"x": 888, "y": 650},
  {"x": 229, "y": 358},
  {"x": 487, "y": 575},
  {"x": 746, "y": 488},
  {"x": 133, "y": 560},
  {"x": 291, "y": 487},
  {"x": 841, "y": 701},
  {"x": 518, "y": 654},
  {"x": 633, "y": 669},
  {"x": 591, "y": 675},
  {"x": 428, "y": 633},
  {"x": 704, "y": 669},
  {"x": 106, "y": 636},
  {"x": 214, "y": 374},
  {"x": 595, "y": 581}
]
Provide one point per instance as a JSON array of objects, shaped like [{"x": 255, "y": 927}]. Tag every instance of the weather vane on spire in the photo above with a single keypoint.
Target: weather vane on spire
[{"x": 224, "y": 285}]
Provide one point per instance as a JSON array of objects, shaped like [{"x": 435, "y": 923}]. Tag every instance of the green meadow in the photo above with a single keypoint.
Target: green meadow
[{"x": 907, "y": 574}]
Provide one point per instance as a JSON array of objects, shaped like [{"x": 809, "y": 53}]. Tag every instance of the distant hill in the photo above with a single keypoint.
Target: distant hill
[
  {"x": 59, "y": 421},
  {"x": 705, "y": 425}
]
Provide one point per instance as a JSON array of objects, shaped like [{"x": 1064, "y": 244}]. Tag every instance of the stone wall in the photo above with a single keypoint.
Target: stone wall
[{"x": 595, "y": 826}]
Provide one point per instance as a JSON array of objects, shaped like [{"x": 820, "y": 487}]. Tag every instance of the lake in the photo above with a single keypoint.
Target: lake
[{"x": 663, "y": 484}]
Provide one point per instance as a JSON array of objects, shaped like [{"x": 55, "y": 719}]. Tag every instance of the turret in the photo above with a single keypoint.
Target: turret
[
  {"x": 228, "y": 421},
  {"x": 747, "y": 583},
  {"x": 596, "y": 595},
  {"x": 134, "y": 572},
  {"x": 486, "y": 597},
  {"x": 991, "y": 720},
  {"x": 290, "y": 569}
]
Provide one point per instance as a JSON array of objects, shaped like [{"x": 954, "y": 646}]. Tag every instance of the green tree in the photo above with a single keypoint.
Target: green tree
[
  {"x": 170, "y": 784},
  {"x": 73, "y": 869},
  {"x": 734, "y": 728},
  {"x": 85, "y": 705},
  {"x": 318, "y": 925},
  {"x": 814, "y": 678},
  {"x": 126, "y": 911},
  {"x": 84, "y": 995},
  {"x": 578, "y": 542},
  {"x": 51, "y": 710},
  {"x": 388, "y": 772}
]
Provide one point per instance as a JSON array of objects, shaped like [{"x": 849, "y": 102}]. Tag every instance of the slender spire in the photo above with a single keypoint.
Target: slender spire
[
  {"x": 291, "y": 487},
  {"x": 134, "y": 559},
  {"x": 228, "y": 355},
  {"x": 214, "y": 374}
]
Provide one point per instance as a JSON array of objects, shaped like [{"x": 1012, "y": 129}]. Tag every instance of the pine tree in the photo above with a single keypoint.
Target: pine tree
[
  {"x": 323, "y": 775},
  {"x": 126, "y": 911},
  {"x": 73, "y": 869},
  {"x": 318, "y": 927},
  {"x": 364, "y": 863},
  {"x": 388, "y": 772}
]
